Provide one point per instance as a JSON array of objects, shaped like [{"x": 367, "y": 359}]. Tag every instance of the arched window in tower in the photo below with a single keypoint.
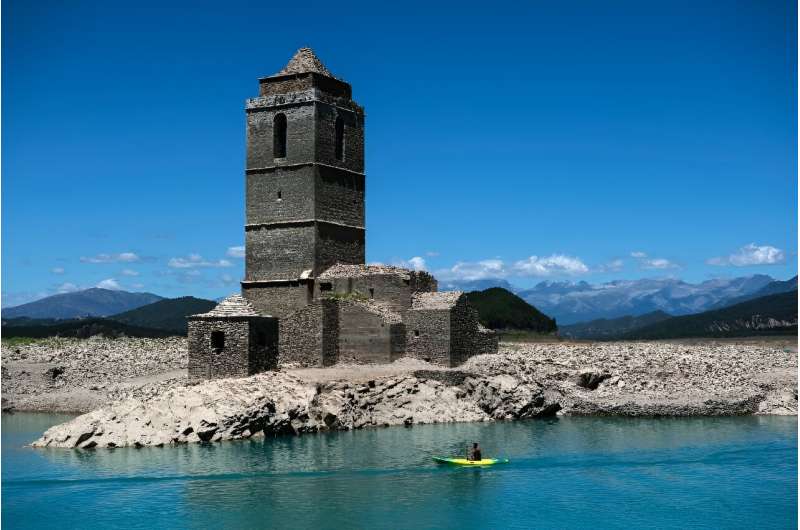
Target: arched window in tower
[
  {"x": 279, "y": 136},
  {"x": 339, "y": 138}
]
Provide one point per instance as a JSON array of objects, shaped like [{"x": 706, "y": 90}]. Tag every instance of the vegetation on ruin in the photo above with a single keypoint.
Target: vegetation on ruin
[{"x": 355, "y": 297}]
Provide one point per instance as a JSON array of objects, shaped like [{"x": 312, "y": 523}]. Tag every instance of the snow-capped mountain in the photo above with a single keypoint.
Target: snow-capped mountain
[{"x": 571, "y": 302}]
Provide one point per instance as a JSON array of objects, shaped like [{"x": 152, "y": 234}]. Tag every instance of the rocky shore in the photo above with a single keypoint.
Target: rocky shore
[
  {"x": 523, "y": 381},
  {"x": 80, "y": 375}
]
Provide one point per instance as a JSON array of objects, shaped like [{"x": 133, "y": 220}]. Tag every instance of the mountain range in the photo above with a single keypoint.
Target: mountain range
[
  {"x": 161, "y": 318},
  {"x": 582, "y": 310},
  {"x": 95, "y": 302},
  {"x": 572, "y": 302},
  {"x": 772, "y": 314}
]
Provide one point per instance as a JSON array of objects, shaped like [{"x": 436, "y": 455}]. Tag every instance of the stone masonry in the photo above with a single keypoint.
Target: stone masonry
[
  {"x": 232, "y": 340},
  {"x": 308, "y": 299}
]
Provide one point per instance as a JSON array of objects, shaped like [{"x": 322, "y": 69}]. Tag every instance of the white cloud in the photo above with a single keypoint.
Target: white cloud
[
  {"x": 657, "y": 263},
  {"x": 653, "y": 263},
  {"x": 615, "y": 265},
  {"x": 416, "y": 263},
  {"x": 67, "y": 288},
  {"x": 465, "y": 270},
  {"x": 123, "y": 257},
  {"x": 235, "y": 252},
  {"x": 109, "y": 283},
  {"x": 57, "y": 270},
  {"x": 555, "y": 264},
  {"x": 138, "y": 286},
  {"x": 533, "y": 266},
  {"x": 751, "y": 254},
  {"x": 129, "y": 272},
  {"x": 196, "y": 260},
  {"x": 432, "y": 254},
  {"x": 227, "y": 279}
]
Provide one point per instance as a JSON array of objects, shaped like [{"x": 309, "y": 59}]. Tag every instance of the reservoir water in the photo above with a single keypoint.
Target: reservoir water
[{"x": 564, "y": 473}]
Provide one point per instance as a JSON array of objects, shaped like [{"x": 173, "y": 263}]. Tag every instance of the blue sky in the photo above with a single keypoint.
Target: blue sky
[{"x": 533, "y": 140}]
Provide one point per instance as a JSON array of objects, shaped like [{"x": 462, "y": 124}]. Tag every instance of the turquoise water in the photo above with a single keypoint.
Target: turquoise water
[{"x": 565, "y": 473}]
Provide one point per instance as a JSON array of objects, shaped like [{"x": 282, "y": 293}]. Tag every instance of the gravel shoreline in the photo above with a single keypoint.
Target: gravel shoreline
[
  {"x": 80, "y": 375},
  {"x": 139, "y": 394}
]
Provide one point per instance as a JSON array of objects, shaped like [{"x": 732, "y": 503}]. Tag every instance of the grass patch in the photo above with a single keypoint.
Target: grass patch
[
  {"x": 18, "y": 341},
  {"x": 516, "y": 335}
]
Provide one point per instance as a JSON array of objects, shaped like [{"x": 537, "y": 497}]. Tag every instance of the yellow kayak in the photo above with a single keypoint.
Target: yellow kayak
[{"x": 465, "y": 462}]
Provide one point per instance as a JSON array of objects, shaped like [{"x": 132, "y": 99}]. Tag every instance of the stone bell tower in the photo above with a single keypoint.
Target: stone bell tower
[{"x": 305, "y": 184}]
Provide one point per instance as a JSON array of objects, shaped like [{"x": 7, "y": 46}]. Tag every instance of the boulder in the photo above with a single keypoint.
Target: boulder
[{"x": 591, "y": 379}]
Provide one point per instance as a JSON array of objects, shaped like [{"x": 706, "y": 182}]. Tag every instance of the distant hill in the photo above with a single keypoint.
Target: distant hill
[
  {"x": 500, "y": 309},
  {"x": 81, "y": 328},
  {"x": 168, "y": 314},
  {"x": 604, "y": 328},
  {"x": 775, "y": 314},
  {"x": 91, "y": 302},
  {"x": 27, "y": 321}
]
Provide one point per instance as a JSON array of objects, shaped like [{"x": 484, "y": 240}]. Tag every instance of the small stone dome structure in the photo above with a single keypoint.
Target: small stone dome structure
[{"x": 232, "y": 340}]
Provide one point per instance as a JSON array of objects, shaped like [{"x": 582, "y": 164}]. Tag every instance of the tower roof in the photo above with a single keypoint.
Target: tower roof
[{"x": 303, "y": 61}]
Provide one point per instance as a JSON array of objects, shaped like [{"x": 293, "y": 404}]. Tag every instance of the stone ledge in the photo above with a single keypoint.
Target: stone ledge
[{"x": 268, "y": 169}]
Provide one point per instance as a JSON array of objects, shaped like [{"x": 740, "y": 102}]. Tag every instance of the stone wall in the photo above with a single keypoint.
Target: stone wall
[
  {"x": 249, "y": 346},
  {"x": 231, "y": 361},
  {"x": 463, "y": 332},
  {"x": 428, "y": 335},
  {"x": 397, "y": 334},
  {"x": 263, "y": 341},
  {"x": 486, "y": 342},
  {"x": 309, "y": 337},
  {"x": 364, "y": 336},
  {"x": 353, "y": 158},
  {"x": 278, "y": 300},
  {"x": 467, "y": 338},
  {"x": 330, "y": 332},
  {"x": 300, "y": 133},
  {"x": 287, "y": 84},
  {"x": 280, "y": 194},
  {"x": 339, "y": 196},
  {"x": 283, "y": 252},
  {"x": 390, "y": 289},
  {"x": 338, "y": 244},
  {"x": 279, "y": 253}
]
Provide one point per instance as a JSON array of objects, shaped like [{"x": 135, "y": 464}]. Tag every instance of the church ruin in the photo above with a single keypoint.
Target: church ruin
[{"x": 307, "y": 297}]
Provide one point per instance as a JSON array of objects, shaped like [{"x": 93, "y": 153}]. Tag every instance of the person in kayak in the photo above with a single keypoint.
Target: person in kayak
[{"x": 475, "y": 452}]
